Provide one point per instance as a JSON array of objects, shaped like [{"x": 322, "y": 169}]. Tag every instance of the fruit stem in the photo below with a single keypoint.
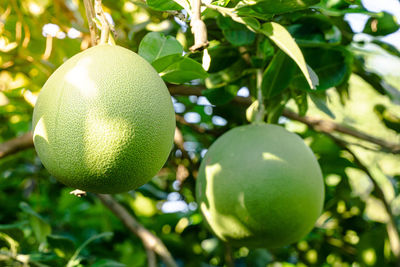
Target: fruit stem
[
  {"x": 105, "y": 27},
  {"x": 89, "y": 9},
  {"x": 260, "y": 115}
]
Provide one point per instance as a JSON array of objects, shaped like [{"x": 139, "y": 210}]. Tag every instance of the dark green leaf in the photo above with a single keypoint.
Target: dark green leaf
[
  {"x": 15, "y": 230},
  {"x": 221, "y": 95},
  {"x": 320, "y": 103},
  {"x": 387, "y": 117},
  {"x": 332, "y": 65},
  {"x": 74, "y": 259},
  {"x": 222, "y": 56},
  {"x": 236, "y": 33},
  {"x": 388, "y": 47},
  {"x": 384, "y": 24},
  {"x": 276, "y": 7},
  {"x": 266, "y": 48},
  {"x": 226, "y": 76},
  {"x": 274, "y": 107},
  {"x": 315, "y": 30},
  {"x": 63, "y": 246},
  {"x": 156, "y": 45},
  {"x": 282, "y": 38},
  {"x": 300, "y": 98},
  {"x": 245, "y": 10},
  {"x": 40, "y": 227},
  {"x": 277, "y": 75},
  {"x": 162, "y": 63},
  {"x": 163, "y": 5},
  {"x": 107, "y": 263},
  {"x": 182, "y": 71}
]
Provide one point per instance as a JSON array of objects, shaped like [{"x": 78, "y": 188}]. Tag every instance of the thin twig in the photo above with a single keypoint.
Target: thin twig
[
  {"x": 197, "y": 128},
  {"x": 89, "y": 9},
  {"x": 321, "y": 125},
  {"x": 198, "y": 27},
  {"x": 229, "y": 260},
  {"x": 151, "y": 258},
  {"x": 150, "y": 241},
  {"x": 179, "y": 142},
  {"x": 327, "y": 126},
  {"x": 393, "y": 233},
  {"x": 181, "y": 171},
  {"x": 15, "y": 145}
]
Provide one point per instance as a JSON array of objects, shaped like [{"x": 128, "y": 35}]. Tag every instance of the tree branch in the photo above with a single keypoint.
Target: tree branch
[
  {"x": 195, "y": 127},
  {"x": 198, "y": 27},
  {"x": 330, "y": 126},
  {"x": 325, "y": 126},
  {"x": 89, "y": 9},
  {"x": 15, "y": 145},
  {"x": 150, "y": 241}
]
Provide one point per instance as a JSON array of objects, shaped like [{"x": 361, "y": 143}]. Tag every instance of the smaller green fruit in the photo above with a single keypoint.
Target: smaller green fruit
[{"x": 260, "y": 186}]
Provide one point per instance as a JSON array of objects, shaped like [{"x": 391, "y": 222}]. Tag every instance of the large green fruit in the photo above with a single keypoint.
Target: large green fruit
[
  {"x": 104, "y": 121},
  {"x": 260, "y": 186}
]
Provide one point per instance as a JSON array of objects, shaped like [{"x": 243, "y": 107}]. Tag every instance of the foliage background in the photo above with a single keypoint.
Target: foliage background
[{"x": 41, "y": 224}]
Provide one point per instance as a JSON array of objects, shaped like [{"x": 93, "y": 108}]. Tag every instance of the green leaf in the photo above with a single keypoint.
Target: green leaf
[
  {"x": 266, "y": 48},
  {"x": 107, "y": 263},
  {"x": 274, "y": 107},
  {"x": 388, "y": 47},
  {"x": 282, "y": 38},
  {"x": 315, "y": 30},
  {"x": 62, "y": 246},
  {"x": 236, "y": 33},
  {"x": 221, "y": 95},
  {"x": 222, "y": 56},
  {"x": 39, "y": 226},
  {"x": 277, "y": 75},
  {"x": 382, "y": 25},
  {"x": 182, "y": 71},
  {"x": 14, "y": 230},
  {"x": 320, "y": 103},
  {"x": 163, "y": 5},
  {"x": 13, "y": 244},
  {"x": 73, "y": 261},
  {"x": 162, "y": 63},
  {"x": 332, "y": 65},
  {"x": 184, "y": 3},
  {"x": 156, "y": 45},
  {"x": 226, "y": 76},
  {"x": 245, "y": 10},
  {"x": 300, "y": 98},
  {"x": 275, "y": 7},
  {"x": 341, "y": 12}
]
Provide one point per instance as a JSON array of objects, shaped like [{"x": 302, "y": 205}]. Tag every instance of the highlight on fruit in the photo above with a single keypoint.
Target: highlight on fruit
[
  {"x": 104, "y": 121},
  {"x": 260, "y": 186}
]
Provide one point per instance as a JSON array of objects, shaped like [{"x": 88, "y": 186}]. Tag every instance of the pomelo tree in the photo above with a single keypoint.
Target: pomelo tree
[{"x": 301, "y": 65}]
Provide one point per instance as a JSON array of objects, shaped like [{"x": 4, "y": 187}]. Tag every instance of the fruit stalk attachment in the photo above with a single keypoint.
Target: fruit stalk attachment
[
  {"x": 90, "y": 15},
  {"x": 260, "y": 115},
  {"x": 105, "y": 27},
  {"x": 198, "y": 27}
]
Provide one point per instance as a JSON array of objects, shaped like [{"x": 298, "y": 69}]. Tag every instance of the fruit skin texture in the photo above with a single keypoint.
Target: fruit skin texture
[
  {"x": 260, "y": 186},
  {"x": 104, "y": 121}
]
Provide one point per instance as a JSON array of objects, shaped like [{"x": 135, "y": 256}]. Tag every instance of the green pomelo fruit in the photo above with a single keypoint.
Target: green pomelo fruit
[
  {"x": 260, "y": 186},
  {"x": 104, "y": 121}
]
